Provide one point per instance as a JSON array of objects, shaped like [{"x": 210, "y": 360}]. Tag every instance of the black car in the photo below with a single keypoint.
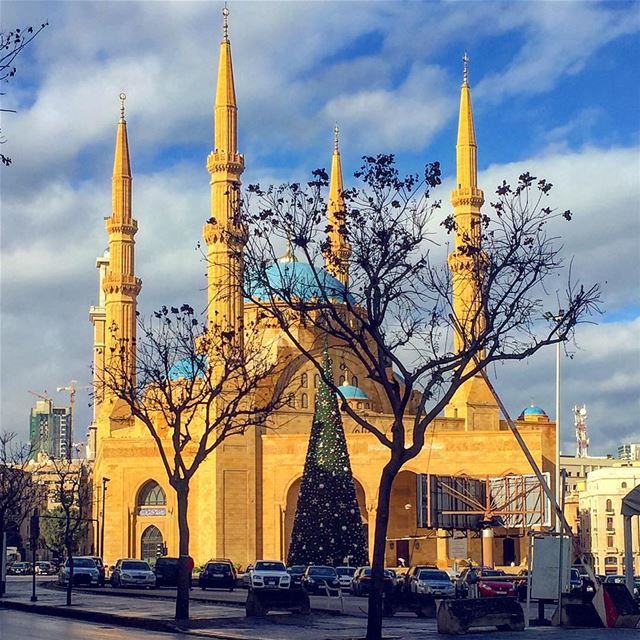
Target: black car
[
  {"x": 296, "y": 572},
  {"x": 218, "y": 574},
  {"x": 166, "y": 571},
  {"x": 361, "y": 583},
  {"x": 317, "y": 578}
]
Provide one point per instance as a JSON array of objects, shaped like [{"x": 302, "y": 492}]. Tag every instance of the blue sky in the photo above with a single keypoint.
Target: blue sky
[{"x": 555, "y": 92}]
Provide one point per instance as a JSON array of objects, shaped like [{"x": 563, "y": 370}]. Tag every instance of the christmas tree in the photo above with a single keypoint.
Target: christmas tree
[{"x": 327, "y": 528}]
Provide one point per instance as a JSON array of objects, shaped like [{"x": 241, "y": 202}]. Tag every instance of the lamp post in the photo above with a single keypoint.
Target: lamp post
[
  {"x": 558, "y": 318},
  {"x": 104, "y": 495}
]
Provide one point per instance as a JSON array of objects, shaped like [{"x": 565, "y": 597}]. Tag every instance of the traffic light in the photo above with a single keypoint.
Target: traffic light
[
  {"x": 159, "y": 550},
  {"x": 35, "y": 526}
]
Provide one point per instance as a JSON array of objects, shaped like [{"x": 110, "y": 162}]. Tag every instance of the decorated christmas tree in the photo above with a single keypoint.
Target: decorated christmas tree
[{"x": 327, "y": 528}]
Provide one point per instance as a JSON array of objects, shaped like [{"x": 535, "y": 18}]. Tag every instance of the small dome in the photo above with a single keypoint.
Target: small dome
[
  {"x": 187, "y": 368},
  {"x": 534, "y": 410},
  {"x": 300, "y": 278},
  {"x": 353, "y": 393}
]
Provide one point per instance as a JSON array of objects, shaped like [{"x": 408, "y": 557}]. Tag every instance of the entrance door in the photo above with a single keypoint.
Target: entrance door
[
  {"x": 508, "y": 551},
  {"x": 151, "y": 538},
  {"x": 402, "y": 551}
]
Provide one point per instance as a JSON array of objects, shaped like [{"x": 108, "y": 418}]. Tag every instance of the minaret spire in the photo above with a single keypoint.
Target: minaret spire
[
  {"x": 472, "y": 401},
  {"x": 120, "y": 285},
  {"x": 224, "y": 233},
  {"x": 337, "y": 261}
]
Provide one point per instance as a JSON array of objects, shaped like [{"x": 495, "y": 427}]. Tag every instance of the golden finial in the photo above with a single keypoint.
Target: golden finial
[
  {"x": 225, "y": 23},
  {"x": 465, "y": 68},
  {"x": 336, "y": 138},
  {"x": 123, "y": 97}
]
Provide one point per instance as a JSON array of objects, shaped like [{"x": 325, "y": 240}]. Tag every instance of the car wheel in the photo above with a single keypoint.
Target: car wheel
[
  {"x": 204, "y": 588},
  {"x": 230, "y": 588}
]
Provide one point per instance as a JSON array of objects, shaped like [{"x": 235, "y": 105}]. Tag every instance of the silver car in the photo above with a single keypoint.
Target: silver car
[
  {"x": 85, "y": 571},
  {"x": 130, "y": 572},
  {"x": 433, "y": 582}
]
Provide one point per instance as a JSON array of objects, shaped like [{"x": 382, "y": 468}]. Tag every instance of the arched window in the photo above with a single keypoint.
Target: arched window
[
  {"x": 292, "y": 401},
  {"x": 304, "y": 380},
  {"x": 304, "y": 401},
  {"x": 354, "y": 381},
  {"x": 342, "y": 380},
  {"x": 151, "y": 538},
  {"x": 624, "y": 485},
  {"x": 609, "y": 505},
  {"x": 316, "y": 380},
  {"x": 151, "y": 495}
]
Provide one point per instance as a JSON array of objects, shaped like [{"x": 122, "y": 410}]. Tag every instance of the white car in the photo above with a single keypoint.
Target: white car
[
  {"x": 345, "y": 575},
  {"x": 433, "y": 582},
  {"x": 85, "y": 571},
  {"x": 269, "y": 574},
  {"x": 130, "y": 572}
]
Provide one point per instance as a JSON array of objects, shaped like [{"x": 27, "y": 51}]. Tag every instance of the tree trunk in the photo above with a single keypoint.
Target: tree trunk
[
  {"x": 184, "y": 561},
  {"x": 70, "y": 583},
  {"x": 374, "y": 618}
]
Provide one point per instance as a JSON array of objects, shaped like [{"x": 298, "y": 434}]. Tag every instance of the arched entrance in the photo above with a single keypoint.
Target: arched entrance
[
  {"x": 509, "y": 551},
  {"x": 292, "y": 503},
  {"x": 149, "y": 541}
]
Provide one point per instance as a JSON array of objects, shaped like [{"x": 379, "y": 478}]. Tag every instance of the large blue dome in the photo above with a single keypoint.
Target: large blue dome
[
  {"x": 350, "y": 392},
  {"x": 534, "y": 410},
  {"x": 300, "y": 279},
  {"x": 188, "y": 369}
]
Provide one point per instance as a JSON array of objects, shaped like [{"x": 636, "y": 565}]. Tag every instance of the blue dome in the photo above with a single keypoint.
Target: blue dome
[
  {"x": 534, "y": 410},
  {"x": 187, "y": 368},
  {"x": 302, "y": 280},
  {"x": 351, "y": 392}
]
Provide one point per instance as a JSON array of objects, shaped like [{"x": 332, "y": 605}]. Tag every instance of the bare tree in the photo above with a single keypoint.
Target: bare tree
[
  {"x": 192, "y": 387},
  {"x": 397, "y": 313},
  {"x": 17, "y": 495},
  {"x": 69, "y": 488},
  {"x": 11, "y": 44}
]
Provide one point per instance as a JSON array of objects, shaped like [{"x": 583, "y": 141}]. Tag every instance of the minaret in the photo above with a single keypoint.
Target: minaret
[
  {"x": 472, "y": 401},
  {"x": 224, "y": 233},
  {"x": 337, "y": 263},
  {"x": 120, "y": 285}
]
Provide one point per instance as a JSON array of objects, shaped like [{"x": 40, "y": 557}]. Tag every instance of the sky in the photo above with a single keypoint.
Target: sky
[{"x": 555, "y": 92}]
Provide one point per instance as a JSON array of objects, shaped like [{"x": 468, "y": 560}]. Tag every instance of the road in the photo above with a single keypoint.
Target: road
[{"x": 16, "y": 625}]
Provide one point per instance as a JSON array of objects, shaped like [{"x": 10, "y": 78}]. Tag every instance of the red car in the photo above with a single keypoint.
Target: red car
[{"x": 487, "y": 581}]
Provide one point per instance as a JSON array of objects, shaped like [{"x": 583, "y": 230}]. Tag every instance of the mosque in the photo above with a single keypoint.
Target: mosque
[{"x": 243, "y": 498}]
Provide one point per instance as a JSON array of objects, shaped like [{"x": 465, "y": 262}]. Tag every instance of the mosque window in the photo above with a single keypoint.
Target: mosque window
[
  {"x": 624, "y": 485},
  {"x": 149, "y": 542},
  {"x": 151, "y": 495},
  {"x": 354, "y": 381},
  {"x": 342, "y": 380},
  {"x": 304, "y": 380},
  {"x": 304, "y": 401},
  {"x": 316, "y": 380},
  {"x": 609, "y": 505}
]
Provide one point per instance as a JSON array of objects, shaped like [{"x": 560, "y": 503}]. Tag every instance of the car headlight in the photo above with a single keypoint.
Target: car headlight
[{"x": 126, "y": 575}]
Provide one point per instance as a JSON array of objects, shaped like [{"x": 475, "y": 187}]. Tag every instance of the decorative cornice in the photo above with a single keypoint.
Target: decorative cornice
[
  {"x": 126, "y": 228},
  {"x": 225, "y": 162},
  {"x": 234, "y": 236},
  {"x": 470, "y": 196},
  {"x": 120, "y": 283}
]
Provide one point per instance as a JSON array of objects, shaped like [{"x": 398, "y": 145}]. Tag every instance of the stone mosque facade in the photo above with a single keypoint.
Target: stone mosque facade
[{"x": 243, "y": 498}]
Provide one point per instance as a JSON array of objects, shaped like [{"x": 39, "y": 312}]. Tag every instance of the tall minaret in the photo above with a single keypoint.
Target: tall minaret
[
  {"x": 472, "y": 401},
  {"x": 120, "y": 285},
  {"x": 337, "y": 264},
  {"x": 224, "y": 234}
]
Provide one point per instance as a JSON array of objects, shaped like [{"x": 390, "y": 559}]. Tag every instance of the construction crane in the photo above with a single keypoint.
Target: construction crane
[
  {"x": 42, "y": 396},
  {"x": 71, "y": 387}
]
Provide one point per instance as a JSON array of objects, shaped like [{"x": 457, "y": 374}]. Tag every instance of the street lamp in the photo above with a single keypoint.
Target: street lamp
[{"x": 104, "y": 495}]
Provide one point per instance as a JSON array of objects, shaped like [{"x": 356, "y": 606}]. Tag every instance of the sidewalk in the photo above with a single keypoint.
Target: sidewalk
[{"x": 228, "y": 622}]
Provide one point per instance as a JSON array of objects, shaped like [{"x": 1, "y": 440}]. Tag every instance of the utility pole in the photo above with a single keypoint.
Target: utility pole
[{"x": 104, "y": 495}]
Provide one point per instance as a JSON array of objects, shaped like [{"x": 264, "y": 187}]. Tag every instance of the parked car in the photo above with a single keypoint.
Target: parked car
[
  {"x": 433, "y": 582},
  {"x": 317, "y": 578},
  {"x": 296, "y": 572},
  {"x": 101, "y": 569},
  {"x": 521, "y": 585},
  {"x": 269, "y": 574},
  {"x": 410, "y": 574},
  {"x": 85, "y": 571},
  {"x": 246, "y": 577},
  {"x": 345, "y": 575},
  {"x": 361, "y": 582},
  {"x": 218, "y": 574},
  {"x": 166, "y": 570},
  {"x": 490, "y": 587},
  {"x": 45, "y": 568},
  {"x": 130, "y": 572},
  {"x": 575, "y": 581},
  {"x": 19, "y": 569}
]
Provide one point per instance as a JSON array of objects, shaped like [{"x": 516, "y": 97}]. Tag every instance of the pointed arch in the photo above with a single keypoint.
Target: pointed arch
[
  {"x": 149, "y": 540},
  {"x": 151, "y": 494}
]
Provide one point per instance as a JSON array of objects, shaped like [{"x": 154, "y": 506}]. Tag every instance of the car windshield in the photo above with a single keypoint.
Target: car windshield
[
  {"x": 616, "y": 579},
  {"x": 366, "y": 572},
  {"x": 490, "y": 573},
  {"x": 345, "y": 571},
  {"x": 135, "y": 565},
  {"x": 84, "y": 563},
  {"x": 297, "y": 569},
  {"x": 327, "y": 572},
  {"x": 430, "y": 574},
  {"x": 269, "y": 566}
]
